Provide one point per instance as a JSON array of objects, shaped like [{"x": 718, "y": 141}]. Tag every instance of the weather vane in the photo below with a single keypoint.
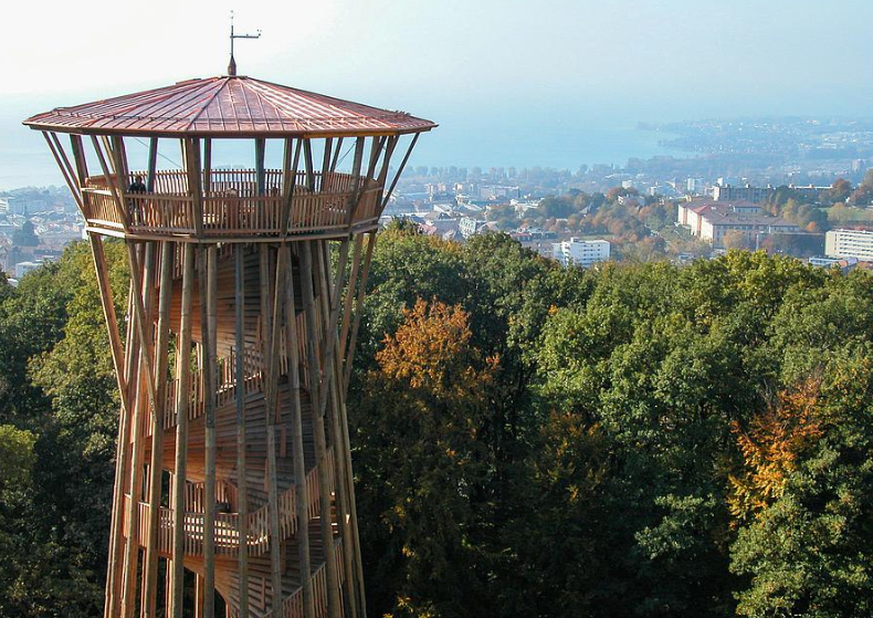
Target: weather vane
[{"x": 231, "y": 67}]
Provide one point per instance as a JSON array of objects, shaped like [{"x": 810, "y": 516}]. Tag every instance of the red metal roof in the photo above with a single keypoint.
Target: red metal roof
[{"x": 228, "y": 106}]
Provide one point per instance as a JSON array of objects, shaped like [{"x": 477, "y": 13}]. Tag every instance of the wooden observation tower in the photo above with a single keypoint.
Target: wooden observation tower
[{"x": 233, "y": 483}]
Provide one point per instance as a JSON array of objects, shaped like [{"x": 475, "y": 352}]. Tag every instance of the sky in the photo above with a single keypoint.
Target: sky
[{"x": 511, "y": 82}]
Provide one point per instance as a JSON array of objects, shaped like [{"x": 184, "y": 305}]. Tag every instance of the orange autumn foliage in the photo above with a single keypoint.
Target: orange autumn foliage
[
  {"x": 431, "y": 350},
  {"x": 771, "y": 447}
]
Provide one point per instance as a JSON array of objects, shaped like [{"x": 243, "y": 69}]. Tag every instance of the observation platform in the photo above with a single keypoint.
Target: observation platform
[{"x": 330, "y": 205}]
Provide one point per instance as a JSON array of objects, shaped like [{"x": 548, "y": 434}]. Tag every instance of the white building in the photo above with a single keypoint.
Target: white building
[
  {"x": 22, "y": 268},
  {"x": 826, "y": 262},
  {"x": 850, "y": 244},
  {"x": 581, "y": 252}
]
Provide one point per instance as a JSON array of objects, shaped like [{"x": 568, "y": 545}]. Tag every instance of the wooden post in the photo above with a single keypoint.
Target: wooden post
[
  {"x": 307, "y": 163},
  {"x": 292, "y": 337},
  {"x": 325, "y": 525},
  {"x": 356, "y": 173},
  {"x": 64, "y": 165},
  {"x": 199, "y": 597},
  {"x": 325, "y": 162},
  {"x": 81, "y": 177},
  {"x": 268, "y": 294},
  {"x": 328, "y": 317},
  {"x": 330, "y": 331},
  {"x": 128, "y": 382},
  {"x": 243, "y": 509},
  {"x": 113, "y": 182},
  {"x": 152, "y": 164},
  {"x": 208, "y": 290},
  {"x": 191, "y": 154},
  {"x": 140, "y": 317},
  {"x": 359, "y": 308},
  {"x": 350, "y": 295},
  {"x": 260, "y": 173},
  {"x": 206, "y": 182},
  {"x": 150, "y": 571},
  {"x": 336, "y": 154},
  {"x": 119, "y": 163},
  {"x": 183, "y": 372},
  {"x": 344, "y": 425},
  {"x": 289, "y": 169},
  {"x": 121, "y": 445},
  {"x": 143, "y": 295},
  {"x": 387, "y": 194}
]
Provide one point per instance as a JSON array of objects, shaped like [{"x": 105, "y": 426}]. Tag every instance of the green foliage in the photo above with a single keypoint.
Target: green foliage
[
  {"x": 635, "y": 439},
  {"x": 59, "y": 391}
]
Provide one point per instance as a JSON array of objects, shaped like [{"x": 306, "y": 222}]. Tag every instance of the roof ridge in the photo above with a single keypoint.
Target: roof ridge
[{"x": 223, "y": 81}]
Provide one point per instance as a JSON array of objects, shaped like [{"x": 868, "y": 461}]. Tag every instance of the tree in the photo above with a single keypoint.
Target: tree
[
  {"x": 771, "y": 447},
  {"x": 557, "y": 207},
  {"x": 425, "y": 465},
  {"x": 840, "y": 190},
  {"x": 809, "y": 550},
  {"x": 735, "y": 239},
  {"x": 55, "y": 360}
]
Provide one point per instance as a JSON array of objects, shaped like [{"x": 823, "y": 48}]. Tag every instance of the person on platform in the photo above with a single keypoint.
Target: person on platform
[{"x": 138, "y": 187}]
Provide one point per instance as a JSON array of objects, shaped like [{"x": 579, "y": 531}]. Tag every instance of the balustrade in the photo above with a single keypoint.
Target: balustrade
[{"x": 231, "y": 205}]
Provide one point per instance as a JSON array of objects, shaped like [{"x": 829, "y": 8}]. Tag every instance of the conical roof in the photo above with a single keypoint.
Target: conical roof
[{"x": 228, "y": 106}]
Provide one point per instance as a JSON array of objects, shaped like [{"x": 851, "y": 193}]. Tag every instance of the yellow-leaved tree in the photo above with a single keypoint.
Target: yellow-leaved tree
[
  {"x": 425, "y": 463},
  {"x": 771, "y": 446}
]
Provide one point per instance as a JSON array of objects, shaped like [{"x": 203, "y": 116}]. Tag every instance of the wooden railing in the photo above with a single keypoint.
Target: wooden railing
[
  {"x": 231, "y": 205},
  {"x": 225, "y": 393},
  {"x": 227, "y": 525},
  {"x": 101, "y": 208},
  {"x": 292, "y": 606}
]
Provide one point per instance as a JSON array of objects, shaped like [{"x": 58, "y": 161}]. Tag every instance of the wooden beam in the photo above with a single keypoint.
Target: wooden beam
[
  {"x": 206, "y": 182},
  {"x": 140, "y": 321},
  {"x": 387, "y": 194},
  {"x": 292, "y": 337},
  {"x": 336, "y": 155},
  {"x": 328, "y": 315},
  {"x": 162, "y": 348},
  {"x": 260, "y": 173},
  {"x": 325, "y": 162},
  {"x": 350, "y": 295},
  {"x": 356, "y": 173},
  {"x": 64, "y": 166},
  {"x": 289, "y": 170},
  {"x": 270, "y": 296},
  {"x": 330, "y": 332},
  {"x": 191, "y": 154},
  {"x": 307, "y": 164},
  {"x": 243, "y": 508},
  {"x": 113, "y": 184},
  {"x": 389, "y": 152},
  {"x": 127, "y": 381},
  {"x": 359, "y": 309},
  {"x": 208, "y": 290},
  {"x": 325, "y": 526},
  {"x": 119, "y": 163},
  {"x": 342, "y": 435},
  {"x": 115, "y": 346},
  {"x": 183, "y": 372},
  {"x": 143, "y": 296},
  {"x": 152, "y": 164}
]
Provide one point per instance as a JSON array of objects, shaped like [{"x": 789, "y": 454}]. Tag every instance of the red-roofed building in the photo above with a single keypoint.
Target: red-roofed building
[{"x": 711, "y": 221}]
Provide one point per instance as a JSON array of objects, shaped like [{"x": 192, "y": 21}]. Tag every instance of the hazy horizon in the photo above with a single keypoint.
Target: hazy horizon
[{"x": 555, "y": 83}]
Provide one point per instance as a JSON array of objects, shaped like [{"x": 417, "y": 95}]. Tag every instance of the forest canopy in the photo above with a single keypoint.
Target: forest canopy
[{"x": 528, "y": 440}]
